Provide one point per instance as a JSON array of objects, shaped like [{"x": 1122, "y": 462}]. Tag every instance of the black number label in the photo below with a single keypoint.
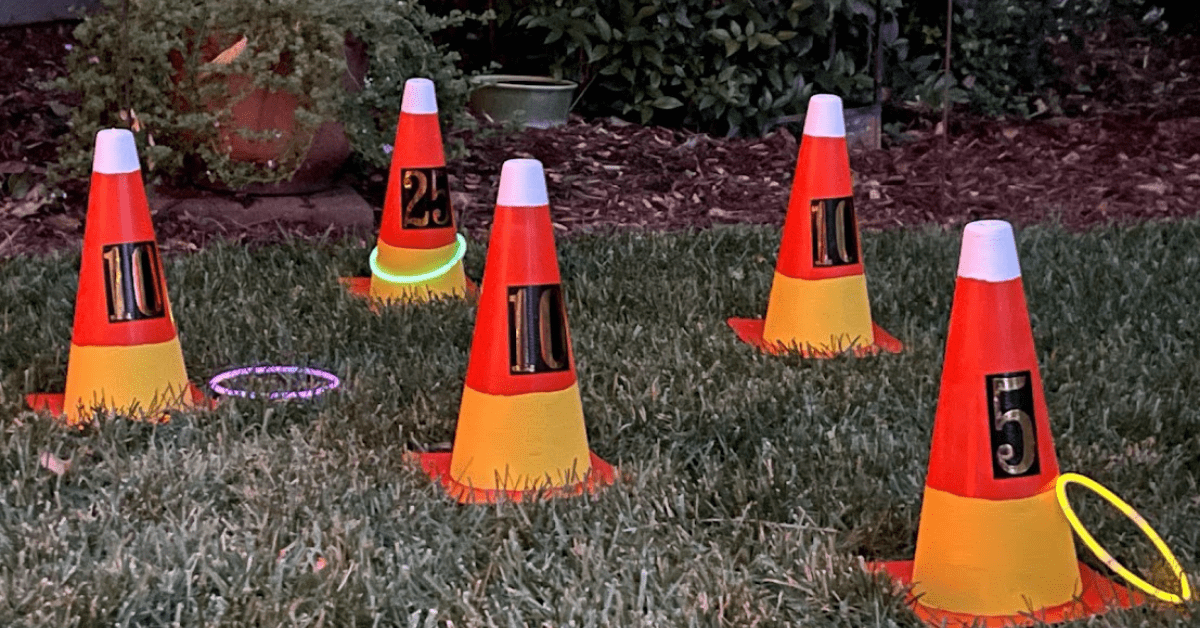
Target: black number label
[
  {"x": 425, "y": 199},
  {"x": 834, "y": 232},
  {"x": 1010, "y": 416},
  {"x": 133, "y": 282},
  {"x": 537, "y": 330}
]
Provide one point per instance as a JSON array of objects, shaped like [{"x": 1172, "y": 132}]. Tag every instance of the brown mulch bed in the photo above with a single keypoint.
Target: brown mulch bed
[
  {"x": 1077, "y": 171},
  {"x": 1127, "y": 151}
]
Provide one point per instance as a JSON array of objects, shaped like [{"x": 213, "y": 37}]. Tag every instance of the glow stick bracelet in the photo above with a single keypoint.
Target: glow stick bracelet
[
  {"x": 459, "y": 252},
  {"x": 1060, "y": 488},
  {"x": 331, "y": 382}
]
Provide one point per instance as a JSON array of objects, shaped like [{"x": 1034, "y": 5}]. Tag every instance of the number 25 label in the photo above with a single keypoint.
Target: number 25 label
[{"x": 425, "y": 199}]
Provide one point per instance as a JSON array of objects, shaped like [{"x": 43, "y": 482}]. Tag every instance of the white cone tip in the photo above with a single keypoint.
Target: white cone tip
[
  {"x": 522, "y": 184},
  {"x": 116, "y": 152},
  {"x": 419, "y": 96},
  {"x": 825, "y": 117},
  {"x": 989, "y": 252}
]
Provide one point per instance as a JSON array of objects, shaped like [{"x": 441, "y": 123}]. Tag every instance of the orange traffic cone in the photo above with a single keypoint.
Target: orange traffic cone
[
  {"x": 125, "y": 355},
  {"x": 419, "y": 252},
  {"x": 994, "y": 547},
  {"x": 520, "y": 426},
  {"x": 818, "y": 304}
]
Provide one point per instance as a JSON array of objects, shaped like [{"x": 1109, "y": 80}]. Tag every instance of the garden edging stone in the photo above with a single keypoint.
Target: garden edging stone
[{"x": 340, "y": 207}]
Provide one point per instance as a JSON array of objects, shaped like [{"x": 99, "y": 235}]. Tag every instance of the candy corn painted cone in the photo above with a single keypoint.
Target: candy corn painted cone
[
  {"x": 125, "y": 354},
  {"x": 520, "y": 429},
  {"x": 419, "y": 252},
  {"x": 818, "y": 304},
  {"x": 994, "y": 547}
]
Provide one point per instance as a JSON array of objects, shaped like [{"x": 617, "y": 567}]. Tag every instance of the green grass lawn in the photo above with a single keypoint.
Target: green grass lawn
[{"x": 753, "y": 485}]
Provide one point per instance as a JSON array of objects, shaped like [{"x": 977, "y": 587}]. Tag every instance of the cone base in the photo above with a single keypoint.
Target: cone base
[
  {"x": 750, "y": 331},
  {"x": 361, "y": 287},
  {"x": 965, "y": 562},
  {"x": 1098, "y": 595},
  {"x": 437, "y": 466},
  {"x": 54, "y": 404}
]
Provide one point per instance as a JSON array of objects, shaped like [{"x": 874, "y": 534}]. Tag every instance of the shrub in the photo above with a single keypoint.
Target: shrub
[
  {"x": 735, "y": 65},
  {"x": 1001, "y": 61},
  {"x": 146, "y": 65},
  {"x": 722, "y": 67}
]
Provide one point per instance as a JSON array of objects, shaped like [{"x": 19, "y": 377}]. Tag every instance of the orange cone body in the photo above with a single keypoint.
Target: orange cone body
[
  {"x": 520, "y": 426},
  {"x": 994, "y": 545},
  {"x": 818, "y": 304},
  {"x": 125, "y": 355},
  {"x": 418, "y": 255}
]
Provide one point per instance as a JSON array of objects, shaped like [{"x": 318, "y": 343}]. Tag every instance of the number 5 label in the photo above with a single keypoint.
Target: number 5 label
[{"x": 1010, "y": 418}]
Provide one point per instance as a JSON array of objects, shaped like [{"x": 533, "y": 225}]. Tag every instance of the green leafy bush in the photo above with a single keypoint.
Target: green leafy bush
[
  {"x": 1001, "y": 61},
  {"x": 739, "y": 64},
  {"x": 728, "y": 66},
  {"x": 147, "y": 65}
]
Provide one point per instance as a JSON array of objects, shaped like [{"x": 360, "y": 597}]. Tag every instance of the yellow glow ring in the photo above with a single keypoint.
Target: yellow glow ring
[
  {"x": 459, "y": 252},
  {"x": 1060, "y": 488}
]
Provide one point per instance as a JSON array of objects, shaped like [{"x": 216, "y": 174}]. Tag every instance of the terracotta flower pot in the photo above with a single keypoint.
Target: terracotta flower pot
[
  {"x": 274, "y": 113},
  {"x": 263, "y": 128}
]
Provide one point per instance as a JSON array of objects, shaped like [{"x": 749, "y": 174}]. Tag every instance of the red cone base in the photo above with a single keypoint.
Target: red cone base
[
  {"x": 52, "y": 403},
  {"x": 361, "y": 287},
  {"x": 1099, "y": 595},
  {"x": 437, "y": 466},
  {"x": 750, "y": 331}
]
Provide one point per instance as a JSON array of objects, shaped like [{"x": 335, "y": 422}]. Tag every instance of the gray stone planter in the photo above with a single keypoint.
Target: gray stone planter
[{"x": 531, "y": 101}]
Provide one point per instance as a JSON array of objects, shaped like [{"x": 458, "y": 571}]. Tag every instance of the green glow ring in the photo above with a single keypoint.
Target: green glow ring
[
  {"x": 1060, "y": 488},
  {"x": 459, "y": 252}
]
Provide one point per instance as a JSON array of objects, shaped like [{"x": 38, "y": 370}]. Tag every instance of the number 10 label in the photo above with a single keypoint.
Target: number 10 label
[
  {"x": 133, "y": 282},
  {"x": 537, "y": 330},
  {"x": 834, "y": 232}
]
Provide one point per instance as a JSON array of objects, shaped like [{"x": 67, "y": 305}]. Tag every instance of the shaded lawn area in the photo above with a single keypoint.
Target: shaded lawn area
[{"x": 752, "y": 485}]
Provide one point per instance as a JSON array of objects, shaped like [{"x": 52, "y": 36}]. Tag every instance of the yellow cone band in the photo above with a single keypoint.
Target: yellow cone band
[
  {"x": 986, "y": 557},
  {"x": 412, "y": 262},
  {"x": 520, "y": 442},
  {"x": 151, "y": 377},
  {"x": 821, "y": 314}
]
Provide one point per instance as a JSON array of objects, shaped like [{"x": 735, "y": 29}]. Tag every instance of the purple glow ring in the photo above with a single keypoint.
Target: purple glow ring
[{"x": 331, "y": 382}]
